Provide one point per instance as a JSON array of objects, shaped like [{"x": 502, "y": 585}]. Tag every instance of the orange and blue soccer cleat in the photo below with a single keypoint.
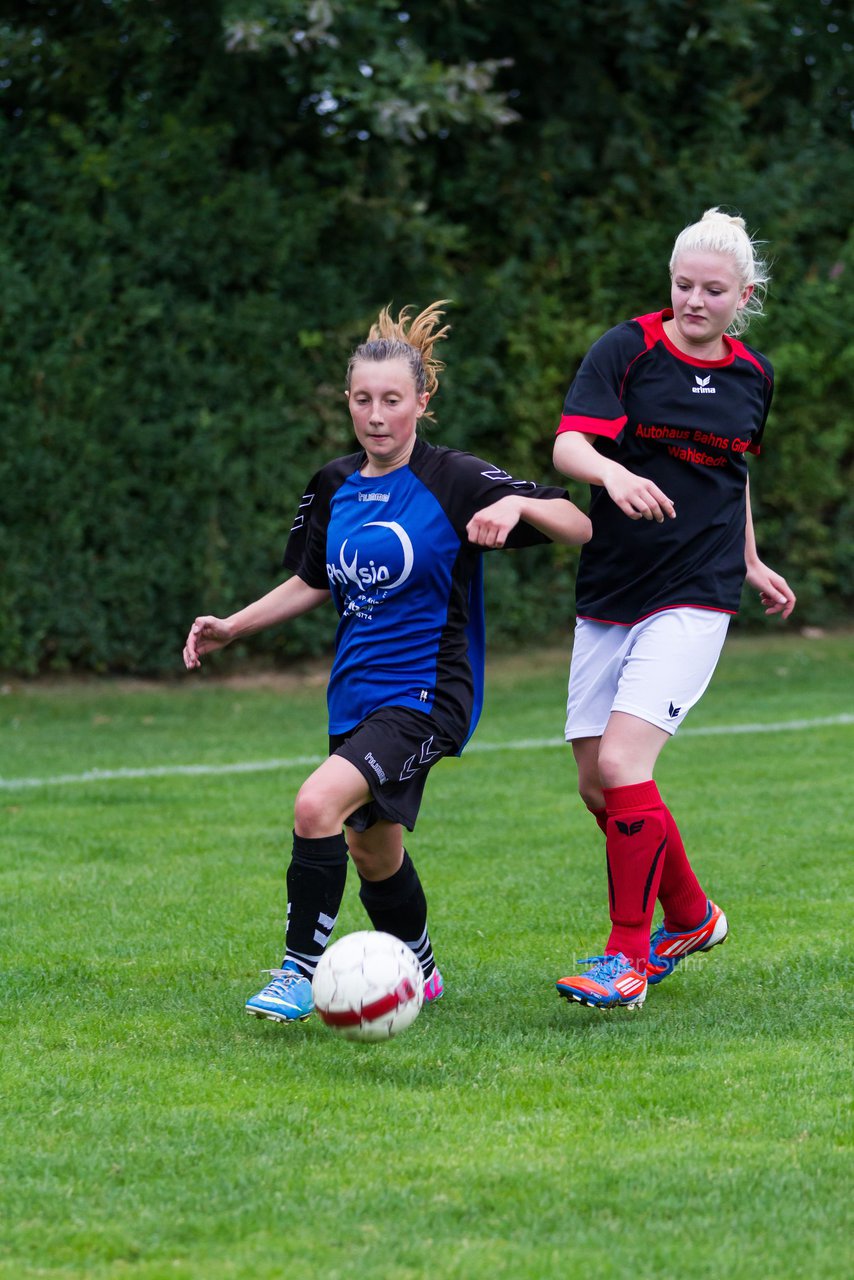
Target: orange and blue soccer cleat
[
  {"x": 667, "y": 949},
  {"x": 612, "y": 983}
]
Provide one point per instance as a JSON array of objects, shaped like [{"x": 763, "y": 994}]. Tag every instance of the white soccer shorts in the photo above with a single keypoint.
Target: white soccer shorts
[{"x": 656, "y": 670}]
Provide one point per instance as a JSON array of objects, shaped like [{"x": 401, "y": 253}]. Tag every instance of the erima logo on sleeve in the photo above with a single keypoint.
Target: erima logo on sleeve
[{"x": 702, "y": 388}]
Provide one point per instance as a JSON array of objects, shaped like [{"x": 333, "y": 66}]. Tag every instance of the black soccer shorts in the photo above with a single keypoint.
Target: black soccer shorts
[{"x": 394, "y": 749}]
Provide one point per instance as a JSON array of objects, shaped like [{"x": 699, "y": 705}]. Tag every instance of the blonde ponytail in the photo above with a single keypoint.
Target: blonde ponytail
[{"x": 405, "y": 338}]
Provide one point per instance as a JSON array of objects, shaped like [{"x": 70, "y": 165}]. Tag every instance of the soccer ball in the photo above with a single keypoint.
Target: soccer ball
[{"x": 368, "y": 986}]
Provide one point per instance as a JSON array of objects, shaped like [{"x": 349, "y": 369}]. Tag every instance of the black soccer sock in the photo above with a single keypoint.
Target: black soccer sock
[
  {"x": 316, "y": 878},
  {"x": 398, "y": 906}
]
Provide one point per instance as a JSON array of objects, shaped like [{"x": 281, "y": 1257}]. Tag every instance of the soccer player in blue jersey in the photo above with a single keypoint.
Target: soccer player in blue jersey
[
  {"x": 659, "y": 420},
  {"x": 394, "y": 535}
]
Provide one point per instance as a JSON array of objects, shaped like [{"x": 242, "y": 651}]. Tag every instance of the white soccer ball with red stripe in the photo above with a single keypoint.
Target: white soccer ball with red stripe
[{"x": 368, "y": 986}]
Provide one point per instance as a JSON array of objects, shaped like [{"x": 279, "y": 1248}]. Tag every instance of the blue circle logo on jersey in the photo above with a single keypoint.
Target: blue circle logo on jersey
[{"x": 380, "y": 559}]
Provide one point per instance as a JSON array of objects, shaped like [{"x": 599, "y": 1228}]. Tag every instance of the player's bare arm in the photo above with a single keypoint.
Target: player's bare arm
[
  {"x": 638, "y": 498},
  {"x": 559, "y": 519},
  {"x": 775, "y": 594},
  {"x": 288, "y": 600}
]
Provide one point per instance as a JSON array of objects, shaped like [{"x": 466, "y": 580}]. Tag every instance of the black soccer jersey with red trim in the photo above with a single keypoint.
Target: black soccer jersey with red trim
[
  {"x": 687, "y": 425},
  {"x": 405, "y": 580}
]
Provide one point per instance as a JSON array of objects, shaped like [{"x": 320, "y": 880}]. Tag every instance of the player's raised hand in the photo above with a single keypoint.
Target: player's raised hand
[
  {"x": 207, "y": 634},
  {"x": 638, "y": 498}
]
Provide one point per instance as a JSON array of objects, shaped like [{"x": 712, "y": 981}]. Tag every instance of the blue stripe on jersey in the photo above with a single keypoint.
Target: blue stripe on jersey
[{"x": 476, "y": 636}]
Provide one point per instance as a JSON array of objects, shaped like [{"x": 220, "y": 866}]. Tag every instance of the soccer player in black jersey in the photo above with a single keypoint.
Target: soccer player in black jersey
[
  {"x": 394, "y": 535},
  {"x": 659, "y": 420}
]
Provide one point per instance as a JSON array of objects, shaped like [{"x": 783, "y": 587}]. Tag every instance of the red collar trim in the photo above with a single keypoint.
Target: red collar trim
[{"x": 654, "y": 325}]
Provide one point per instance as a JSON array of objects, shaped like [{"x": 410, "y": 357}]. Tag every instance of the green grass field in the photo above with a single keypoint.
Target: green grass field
[{"x": 150, "y": 1129}]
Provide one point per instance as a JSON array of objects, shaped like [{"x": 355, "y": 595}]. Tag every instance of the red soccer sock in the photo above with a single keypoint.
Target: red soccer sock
[
  {"x": 635, "y": 842},
  {"x": 680, "y": 893}
]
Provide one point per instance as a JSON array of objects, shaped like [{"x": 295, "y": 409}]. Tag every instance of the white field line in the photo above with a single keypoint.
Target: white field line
[{"x": 293, "y": 762}]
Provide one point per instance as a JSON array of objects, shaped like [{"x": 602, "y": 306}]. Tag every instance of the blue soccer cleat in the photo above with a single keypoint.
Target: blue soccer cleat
[
  {"x": 667, "y": 949},
  {"x": 612, "y": 983},
  {"x": 286, "y": 999}
]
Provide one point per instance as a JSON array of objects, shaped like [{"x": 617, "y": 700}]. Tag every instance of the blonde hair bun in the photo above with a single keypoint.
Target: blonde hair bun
[{"x": 720, "y": 232}]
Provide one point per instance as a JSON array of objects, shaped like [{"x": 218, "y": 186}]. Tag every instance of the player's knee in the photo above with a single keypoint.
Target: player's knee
[
  {"x": 366, "y": 860},
  {"x": 590, "y": 791},
  {"x": 314, "y": 815},
  {"x": 589, "y": 781},
  {"x": 613, "y": 763}
]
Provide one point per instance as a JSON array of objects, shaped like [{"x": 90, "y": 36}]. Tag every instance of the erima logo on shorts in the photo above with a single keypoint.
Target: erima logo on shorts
[{"x": 702, "y": 388}]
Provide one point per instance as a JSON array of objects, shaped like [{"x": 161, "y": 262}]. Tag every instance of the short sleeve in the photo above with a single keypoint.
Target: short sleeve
[
  {"x": 305, "y": 552},
  {"x": 465, "y": 484},
  {"x": 594, "y": 403}
]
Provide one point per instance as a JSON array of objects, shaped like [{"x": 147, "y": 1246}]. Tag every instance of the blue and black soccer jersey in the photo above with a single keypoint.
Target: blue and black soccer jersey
[
  {"x": 405, "y": 580},
  {"x": 686, "y": 425}
]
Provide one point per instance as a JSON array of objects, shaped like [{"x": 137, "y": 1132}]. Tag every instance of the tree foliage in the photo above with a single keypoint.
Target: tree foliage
[{"x": 206, "y": 204}]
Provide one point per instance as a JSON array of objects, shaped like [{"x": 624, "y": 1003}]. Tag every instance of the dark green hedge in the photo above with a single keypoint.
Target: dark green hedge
[{"x": 202, "y": 216}]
